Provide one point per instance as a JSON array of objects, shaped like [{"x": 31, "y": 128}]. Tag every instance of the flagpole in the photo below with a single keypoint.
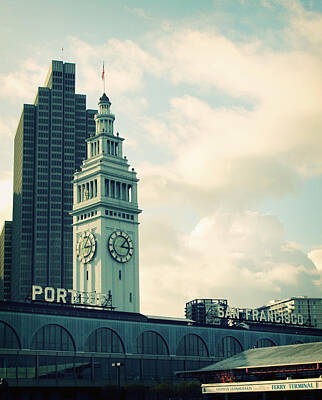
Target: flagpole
[{"x": 103, "y": 78}]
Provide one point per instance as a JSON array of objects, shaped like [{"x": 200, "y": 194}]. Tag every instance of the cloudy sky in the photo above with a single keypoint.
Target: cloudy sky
[{"x": 220, "y": 103}]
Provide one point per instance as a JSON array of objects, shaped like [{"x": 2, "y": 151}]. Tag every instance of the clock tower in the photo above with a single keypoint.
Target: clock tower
[{"x": 105, "y": 219}]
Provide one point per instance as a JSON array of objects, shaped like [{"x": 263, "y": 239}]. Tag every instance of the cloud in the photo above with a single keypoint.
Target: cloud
[
  {"x": 246, "y": 152},
  {"x": 141, "y": 13},
  {"x": 21, "y": 84},
  {"x": 316, "y": 257},
  {"x": 125, "y": 63},
  {"x": 6, "y": 197},
  {"x": 240, "y": 256}
]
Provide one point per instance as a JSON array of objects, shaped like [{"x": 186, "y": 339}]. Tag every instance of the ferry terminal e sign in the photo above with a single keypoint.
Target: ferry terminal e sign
[{"x": 268, "y": 386}]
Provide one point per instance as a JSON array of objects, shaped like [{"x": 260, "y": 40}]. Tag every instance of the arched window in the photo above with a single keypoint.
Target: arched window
[
  {"x": 265, "y": 343},
  {"x": 52, "y": 337},
  {"x": 228, "y": 347},
  {"x": 150, "y": 342},
  {"x": 104, "y": 340},
  {"x": 8, "y": 337},
  {"x": 192, "y": 345}
]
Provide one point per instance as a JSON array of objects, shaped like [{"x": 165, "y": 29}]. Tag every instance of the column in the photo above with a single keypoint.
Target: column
[
  {"x": 91, "y": 190},
  {"x": 134, "y": 194},
  {"x": 78, "y": 193},
  {"x": 95, "y": 187}
]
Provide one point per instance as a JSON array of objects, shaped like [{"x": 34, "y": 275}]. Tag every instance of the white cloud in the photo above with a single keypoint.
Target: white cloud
[
  {"x": 316, "y": 257},
  {"x": 5, "y": 198},
  {"x": 22, "y": 83},
  {"x": 240, "y": 256},
  {"x": 125, "y": 63},
  {"x": 249, "y": 154}
]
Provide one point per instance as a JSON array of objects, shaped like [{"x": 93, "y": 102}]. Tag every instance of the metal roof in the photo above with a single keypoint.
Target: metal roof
[{"x": 307, "y": 353}]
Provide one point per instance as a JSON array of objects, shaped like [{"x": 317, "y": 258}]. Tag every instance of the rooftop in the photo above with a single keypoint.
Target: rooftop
[{"x": 307, "y": 353}]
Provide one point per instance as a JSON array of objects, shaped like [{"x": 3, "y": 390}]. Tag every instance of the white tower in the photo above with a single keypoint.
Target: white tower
[{"x": 105, "y": 218}]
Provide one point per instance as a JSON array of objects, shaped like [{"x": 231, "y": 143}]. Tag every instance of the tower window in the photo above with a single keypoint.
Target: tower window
[
  {"x": 120, "y": 275},
  {"x": 130, "y": 297},
  {"x": 118, "y": 190},
  {"x": 87, "y": 275},
  {"x": 107, "y": 188}
]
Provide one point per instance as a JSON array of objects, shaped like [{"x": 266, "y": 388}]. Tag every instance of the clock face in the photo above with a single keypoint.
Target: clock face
[
  {"x": 86, "y": 246},
  {"x": 120, "y": 246}
]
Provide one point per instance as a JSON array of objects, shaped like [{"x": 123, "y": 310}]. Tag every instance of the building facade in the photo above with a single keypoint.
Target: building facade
[
  {"x": 5, "y": 260},
  {"x": 49, "y": 145},
  {"x": 42, "y": 344},
  {"x": 105, "y": 219},
  {"x": 309, "y": 307}
]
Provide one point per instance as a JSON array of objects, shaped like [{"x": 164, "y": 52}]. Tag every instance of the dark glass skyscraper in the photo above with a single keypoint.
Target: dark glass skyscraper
[{"x": 49, "y": 146}]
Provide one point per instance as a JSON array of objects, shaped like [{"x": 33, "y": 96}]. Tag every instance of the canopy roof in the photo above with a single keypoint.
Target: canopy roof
[{"x": 268, "y": 356}]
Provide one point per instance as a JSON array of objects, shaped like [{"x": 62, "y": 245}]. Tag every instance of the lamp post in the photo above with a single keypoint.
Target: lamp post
[{"x": 118, "y": 366}]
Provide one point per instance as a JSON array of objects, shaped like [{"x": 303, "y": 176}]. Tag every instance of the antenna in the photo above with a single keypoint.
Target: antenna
[{"x": 62, "y": 54}]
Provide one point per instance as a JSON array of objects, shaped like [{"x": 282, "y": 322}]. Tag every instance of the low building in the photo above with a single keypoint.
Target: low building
[
  {"x": 309, "y": 307},
  {"x": 295, "y": 371},
  {"x": 45, "y": 343},
  {"x": 205, "y": 311}
]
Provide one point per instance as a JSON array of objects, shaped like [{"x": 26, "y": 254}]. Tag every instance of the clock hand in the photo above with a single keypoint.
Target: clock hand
[
  {"x": 86, "y": 245},
  {"x": 127, "y": 244}
]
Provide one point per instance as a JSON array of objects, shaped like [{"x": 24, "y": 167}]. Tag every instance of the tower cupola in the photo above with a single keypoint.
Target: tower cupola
[{"x": 104, "y": 119}]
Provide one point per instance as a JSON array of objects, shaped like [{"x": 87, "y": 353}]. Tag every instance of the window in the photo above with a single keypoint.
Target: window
[
  {"x": 265, "y": 343},
  {"x": 150, "y": 342},
  {"x": 104, "y": 340},
  {"x": 52, "y": 337},
  {"x": 8, "y": 337},
  {"x": 228, "y": 347},
  {"x": 192, "y": 345}
]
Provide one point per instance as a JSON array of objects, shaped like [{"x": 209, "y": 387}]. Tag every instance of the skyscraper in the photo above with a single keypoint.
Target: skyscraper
[{"x": 49, "y": 146}]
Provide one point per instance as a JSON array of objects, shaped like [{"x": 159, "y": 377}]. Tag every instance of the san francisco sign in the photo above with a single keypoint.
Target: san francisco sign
[{"x": 254, "y": 315}]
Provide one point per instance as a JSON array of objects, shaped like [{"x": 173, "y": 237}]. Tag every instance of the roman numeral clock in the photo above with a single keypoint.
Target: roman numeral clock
[{"x": 105, "y": 218}]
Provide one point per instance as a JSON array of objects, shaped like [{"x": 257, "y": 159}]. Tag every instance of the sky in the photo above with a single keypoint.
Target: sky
[{"x": 220, "y": 105}]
